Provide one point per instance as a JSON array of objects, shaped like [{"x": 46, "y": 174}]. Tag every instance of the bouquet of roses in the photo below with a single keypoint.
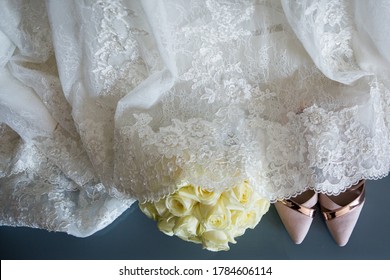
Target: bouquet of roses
[{"x": 210, "y": 218}]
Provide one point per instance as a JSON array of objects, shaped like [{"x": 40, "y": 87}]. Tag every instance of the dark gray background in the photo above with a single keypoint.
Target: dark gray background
[{"x": 134, "y": 236}]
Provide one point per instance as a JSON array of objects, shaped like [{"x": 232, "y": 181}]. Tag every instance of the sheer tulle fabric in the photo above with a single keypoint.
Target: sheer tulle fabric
[{"x": 107, "y": 102}]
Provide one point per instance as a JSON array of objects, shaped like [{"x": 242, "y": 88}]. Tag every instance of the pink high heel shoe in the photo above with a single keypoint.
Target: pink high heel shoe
[
  {"x": 341, "y": 212},
  {"x": 297, "y": 214}
]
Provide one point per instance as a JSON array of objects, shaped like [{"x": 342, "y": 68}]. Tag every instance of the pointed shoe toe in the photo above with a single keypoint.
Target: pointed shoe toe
[
  {"x": 342, "y": 212},
  {"x": 297, "y": 214}
]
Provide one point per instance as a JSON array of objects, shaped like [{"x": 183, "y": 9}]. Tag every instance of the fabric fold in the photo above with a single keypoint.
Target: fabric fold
[{"x": 107, "y": 102}]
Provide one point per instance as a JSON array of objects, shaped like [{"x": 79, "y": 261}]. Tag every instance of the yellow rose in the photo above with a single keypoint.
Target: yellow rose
[
  {"x": 216, "y": 240},
  {"x": 238, "y": 217},
  {"x": 262, "y": 205},
  {"x": 187, "y": 228},
  {"x": 214, "y": 217},
  {"x": 149, "y": 210},
  {"x": 178, "y": 205},
  {"x": 231, "y": 201},
  {"x": 199, "y": 194},
  {"x": 188, "y": 191},
  {"x": 244, "y": 194},
  {"x": 161, "y": 208},
  {"x": 211, "y": 218},
  {"x": 248, "y": 218},
  {"x": 205, "y": 196},
  {"x": 240, "y": 197},
  {"x": 166, "y": 224}
]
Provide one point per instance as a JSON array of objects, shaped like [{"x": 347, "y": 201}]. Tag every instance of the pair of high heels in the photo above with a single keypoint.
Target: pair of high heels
[{"x": 341, "y": 212}]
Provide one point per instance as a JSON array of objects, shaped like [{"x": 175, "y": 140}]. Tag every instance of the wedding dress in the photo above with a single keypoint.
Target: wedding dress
[{"x": 106, "y": 102}]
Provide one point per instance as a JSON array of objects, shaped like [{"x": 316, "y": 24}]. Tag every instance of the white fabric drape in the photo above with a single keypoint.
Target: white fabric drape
[{"x": 106, "y": 102}]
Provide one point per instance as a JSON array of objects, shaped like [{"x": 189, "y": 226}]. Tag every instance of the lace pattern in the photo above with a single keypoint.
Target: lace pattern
[
  {"x": 326, "y": 150},
  {"x": 33, "y": 185},
  {"x": 328, "y": 27},
  {"x": 137, "y": 98},
  {"x": 272, "y": 133},
  {"x": 119, "y": 63}
]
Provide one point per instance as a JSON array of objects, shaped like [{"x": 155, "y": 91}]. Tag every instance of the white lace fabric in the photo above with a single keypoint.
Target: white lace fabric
[{"x": 107, "y": 102}]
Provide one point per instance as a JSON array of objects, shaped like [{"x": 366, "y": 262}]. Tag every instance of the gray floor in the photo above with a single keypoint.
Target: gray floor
[{"x": 134, "y": 236}]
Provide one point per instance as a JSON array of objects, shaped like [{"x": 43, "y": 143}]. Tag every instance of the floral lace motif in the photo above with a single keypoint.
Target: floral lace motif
[
  {"x": 43, "y": 79},
  {"x": 327, "y": 26},
  {"x": 32, "y": 35},
  {"x": 117, "y": 68},
  {"x": 272, "y": 133},
  {"x": 67, "y": 153},
  {"x": 321, "y": 149},
  {"x": 36, "y": 193},
  {"x": 10, "y": 140},
  {"x": 233, "y": 94},
  {"x": 118, "y": 59}
]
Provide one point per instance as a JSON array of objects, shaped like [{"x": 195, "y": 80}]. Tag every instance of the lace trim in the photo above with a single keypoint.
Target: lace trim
[
  {"x": 36, "y": 193},
  {"x": 260, "y": 114},
  {"x": 281, "y": 150},
  {"x": 43, "y": 79},
  {"x": 68, "y": 154},
  {"x": 32, "y": 34},
  {"x": 117, "y": 69},
  {"x": 9, "y": 143},
  {"x": 327, "y": 26},
  {"x": 269, "y": 132},
  {"x": 325, "y": 150},
  {"x": 119, "y": 65}
]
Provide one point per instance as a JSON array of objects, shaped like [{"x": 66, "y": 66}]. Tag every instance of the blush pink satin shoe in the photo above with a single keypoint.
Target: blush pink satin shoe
[
  {"x": 297, "y": 214},
  {"x": 341, "y": 212}
]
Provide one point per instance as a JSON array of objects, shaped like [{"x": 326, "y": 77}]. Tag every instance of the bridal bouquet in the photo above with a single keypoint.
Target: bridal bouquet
[{"x": 212, "y": 219}]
